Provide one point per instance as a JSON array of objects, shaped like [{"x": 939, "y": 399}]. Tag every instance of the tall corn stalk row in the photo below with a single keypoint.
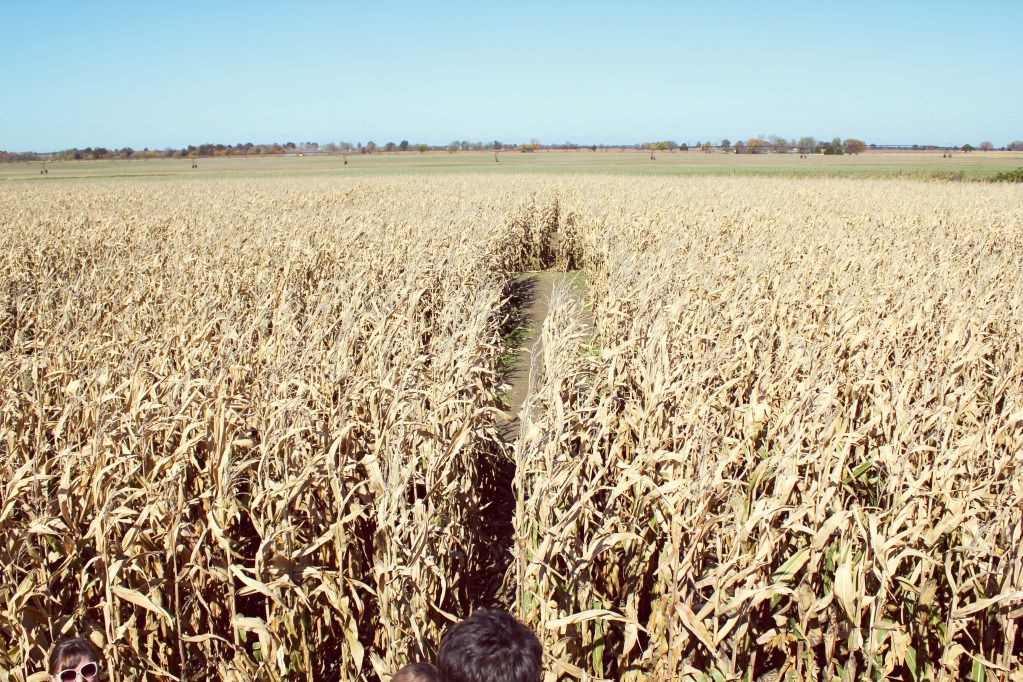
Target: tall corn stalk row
[
  {"x": 792, "y": 448},
  {"x": 243, "y": 427}
]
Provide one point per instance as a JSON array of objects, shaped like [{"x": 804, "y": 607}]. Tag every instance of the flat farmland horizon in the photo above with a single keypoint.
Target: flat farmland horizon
[{"x": 912, "y": 164}]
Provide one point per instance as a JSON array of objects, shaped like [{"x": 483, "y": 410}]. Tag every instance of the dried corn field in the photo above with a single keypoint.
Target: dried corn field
[
  {"x": 250, "y": 429},
  {"x": 247, "y": 429},
  {"x": 792, "y": 448}
]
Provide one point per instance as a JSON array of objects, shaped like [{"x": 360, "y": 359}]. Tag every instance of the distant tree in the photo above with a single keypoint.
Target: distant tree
[
  {"x": 740, "y": 147},
  {"x": 390, "y": 147},
  {"x": 756, "y": 145},
  {"x": 854, "y": 146},
  {"x": 1016, "y": 146},
  {"x": 706, "y": 147},
  {"x": 833, "y": 148},
  {"x": 370, "y": 147},
  {"x": 497, "y": 145},
  {"x": 423, "y": 147},
  {"x": 986, "y": 146},
  {"x": 330, "y": 147},
  {"x": 684, "y": 146},
  {"x": 806, "y": 145},
  {"x": 403, "y": 145},
  {"x": 726, "y": 145},
  {"x": 967, "y": 147}
]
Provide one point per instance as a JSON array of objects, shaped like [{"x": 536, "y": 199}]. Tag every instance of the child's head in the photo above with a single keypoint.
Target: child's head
[
  {"x": 416, "y": 672},
  {"x": 490, "y": 646},
  {"x": 74, "y": 659}
]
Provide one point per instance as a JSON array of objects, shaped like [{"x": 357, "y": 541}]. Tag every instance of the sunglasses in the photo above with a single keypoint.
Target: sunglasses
[{"x": 88, "y": 671}]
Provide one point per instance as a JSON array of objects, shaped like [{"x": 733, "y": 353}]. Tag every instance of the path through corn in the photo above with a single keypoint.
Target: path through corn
[
  {"x": 534, "y": 300},
  {"x": 531, "y": 302}
]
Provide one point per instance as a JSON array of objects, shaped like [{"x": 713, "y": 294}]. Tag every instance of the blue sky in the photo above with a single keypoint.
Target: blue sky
[{"x": 114, "y": 74}]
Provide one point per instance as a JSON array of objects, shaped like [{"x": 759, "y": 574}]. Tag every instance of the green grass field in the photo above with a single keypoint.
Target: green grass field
[{"x": 976, "y": 165}]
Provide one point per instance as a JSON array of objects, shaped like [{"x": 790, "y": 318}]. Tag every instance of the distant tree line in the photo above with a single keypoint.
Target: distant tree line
[
  {"x": 754, "y": 145},
  {"x": 764, "y": 145},
  {"x": 807, "y": 145},
  {"x": 250, "y": 149},
  {"x": 205, "y": 150},
  {"x": 767, "y": 144},
  {"x": 19, "y": 156}
]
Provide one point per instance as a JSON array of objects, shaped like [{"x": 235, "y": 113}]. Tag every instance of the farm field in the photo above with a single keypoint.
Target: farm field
[
  {"x": 251, "y": 427},
  {"x": 976, "y": 165}
]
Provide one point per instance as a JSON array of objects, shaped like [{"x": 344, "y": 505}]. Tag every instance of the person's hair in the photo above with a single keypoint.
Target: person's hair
[
  {"x": 490, "y": 646},
  {"x": 416, "y": 672},
  {"x": 66, "y": 651}
]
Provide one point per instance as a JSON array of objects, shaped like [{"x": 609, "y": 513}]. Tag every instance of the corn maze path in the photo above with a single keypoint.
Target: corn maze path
[{"x": 535, "y": 299}]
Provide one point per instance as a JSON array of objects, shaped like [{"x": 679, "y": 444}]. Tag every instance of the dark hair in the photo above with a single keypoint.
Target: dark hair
[
  {"x": 416, "y": 672},
  {"x": 490, "y": 646},
  {"x": 67, "y": 650}
]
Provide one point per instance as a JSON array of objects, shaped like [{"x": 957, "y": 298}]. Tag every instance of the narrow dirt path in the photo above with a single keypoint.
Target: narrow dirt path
[
  {"x": 529, "y": 299},
  {"x": 528, "y": 304},
  {"x": 535, "y": 296}
]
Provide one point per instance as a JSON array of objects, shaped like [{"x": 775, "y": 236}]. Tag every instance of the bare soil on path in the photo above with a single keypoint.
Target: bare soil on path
[
  {"x": 529, "y": 302},
  {"x": 534, "y": 297}
]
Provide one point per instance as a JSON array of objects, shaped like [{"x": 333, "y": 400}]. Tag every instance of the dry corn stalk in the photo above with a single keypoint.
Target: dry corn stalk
[
  {"x": 245, "y": 427},
  {"x": 794, "y": 447}
]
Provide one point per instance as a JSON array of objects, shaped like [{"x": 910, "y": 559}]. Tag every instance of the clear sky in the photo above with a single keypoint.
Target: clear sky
[{"x": 153, "y": 74}]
